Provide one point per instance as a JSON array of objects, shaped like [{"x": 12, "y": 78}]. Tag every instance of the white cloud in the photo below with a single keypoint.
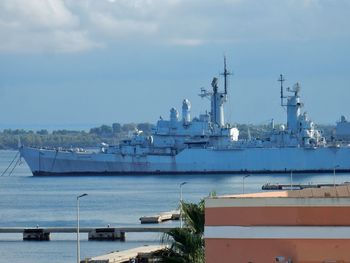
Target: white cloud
[
  {"x": 108, "y": 26},
  {"x": 41, "y": 25},
  {"x": 80, "y": 25},
  {"x": 41, "y": 14}
]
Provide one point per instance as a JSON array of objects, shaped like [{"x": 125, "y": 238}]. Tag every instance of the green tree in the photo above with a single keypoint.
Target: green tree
[
  {"x": 106, "y": 129},
  {"x": 117, "y": 127},
  {"x": 42, "y": 132},
  {"x": 186, "y": 244},
  {"x": 129, "y": 127}
]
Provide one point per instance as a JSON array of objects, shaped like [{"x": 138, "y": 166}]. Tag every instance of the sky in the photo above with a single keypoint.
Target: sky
[{"x": 82, "y": 63}]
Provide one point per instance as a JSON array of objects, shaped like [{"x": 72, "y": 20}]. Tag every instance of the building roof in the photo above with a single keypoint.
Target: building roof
[
  {"x": 338, "y": 196},
  {"x": 326, "y": 192}
]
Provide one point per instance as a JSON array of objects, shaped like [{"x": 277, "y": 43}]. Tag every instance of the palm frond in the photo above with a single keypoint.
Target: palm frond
[
  {"x": 194, "y": 217},
  {"x": 186, "y": 244}
]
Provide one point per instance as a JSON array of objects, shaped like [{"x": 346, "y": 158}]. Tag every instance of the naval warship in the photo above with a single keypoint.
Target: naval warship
[{"x": 204, "y": 145}]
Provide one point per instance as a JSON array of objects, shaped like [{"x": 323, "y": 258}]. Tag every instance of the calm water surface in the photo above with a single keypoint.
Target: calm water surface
[{"x": 27, "y": 201}]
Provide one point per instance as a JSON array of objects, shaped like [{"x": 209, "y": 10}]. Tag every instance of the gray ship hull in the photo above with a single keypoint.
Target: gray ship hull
[{"x": 190, "y": 161}]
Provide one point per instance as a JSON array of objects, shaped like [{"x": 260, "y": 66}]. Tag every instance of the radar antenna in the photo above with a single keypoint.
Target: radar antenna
[
  {"x": 226, "y": 73},
  {"x": 282, "y": 79}
]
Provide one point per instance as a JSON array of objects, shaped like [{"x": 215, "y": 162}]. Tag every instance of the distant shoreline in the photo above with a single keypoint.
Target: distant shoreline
[{"x": 110, "y": 134}]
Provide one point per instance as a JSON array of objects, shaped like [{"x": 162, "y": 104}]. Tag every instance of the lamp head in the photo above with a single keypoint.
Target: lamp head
[{"x": 81, "y": 196}]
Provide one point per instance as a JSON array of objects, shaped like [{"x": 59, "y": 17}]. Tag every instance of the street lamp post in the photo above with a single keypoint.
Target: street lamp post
[
  {"x": 335, "y": 167},
  {"x": 78, "y": 239},
  {"x": 244, "y": 177},
  {"x": 182, "y": 184}
]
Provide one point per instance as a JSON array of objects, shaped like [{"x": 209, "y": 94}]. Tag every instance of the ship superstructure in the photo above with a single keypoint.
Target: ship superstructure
[
  {"x": 178, "y": 133},
  {"x": 342, "y": 130},
  {"x": 204, "y": 144}
]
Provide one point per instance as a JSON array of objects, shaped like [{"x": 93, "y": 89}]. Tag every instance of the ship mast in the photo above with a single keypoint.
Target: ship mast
[
  {"x": 282, "y": 79},
  {"x": 217, "y": 98},
  {"x": 226, "y": 73}
]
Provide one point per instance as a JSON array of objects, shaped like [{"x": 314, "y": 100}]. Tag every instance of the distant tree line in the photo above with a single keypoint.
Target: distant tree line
[{"x": 110, "y": 134}]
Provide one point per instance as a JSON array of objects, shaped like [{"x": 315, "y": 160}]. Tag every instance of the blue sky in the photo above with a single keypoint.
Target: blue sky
[{"x": 77, "y": 63}]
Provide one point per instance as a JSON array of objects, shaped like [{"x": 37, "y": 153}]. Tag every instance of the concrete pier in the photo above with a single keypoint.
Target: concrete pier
[
  {"x": 36, "y": 234},
  {"x": 162, "y": 217},
  {"x": 94, "y": 233},
  {"x": 140, "y": 254},
  {"x": 107, "y": 234}
]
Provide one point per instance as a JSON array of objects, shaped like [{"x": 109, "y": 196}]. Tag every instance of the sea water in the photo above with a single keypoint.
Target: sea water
[{"x": 118, "y": 201}]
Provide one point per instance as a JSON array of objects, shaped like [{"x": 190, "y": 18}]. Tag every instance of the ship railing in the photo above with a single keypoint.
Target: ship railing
[{"x": 59, "y": 149}]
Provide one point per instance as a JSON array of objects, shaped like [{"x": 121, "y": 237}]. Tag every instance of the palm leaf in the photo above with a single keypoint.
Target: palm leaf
[
  {"x": 194, "y": 217},
  {"x": 186, "y": 245}
]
